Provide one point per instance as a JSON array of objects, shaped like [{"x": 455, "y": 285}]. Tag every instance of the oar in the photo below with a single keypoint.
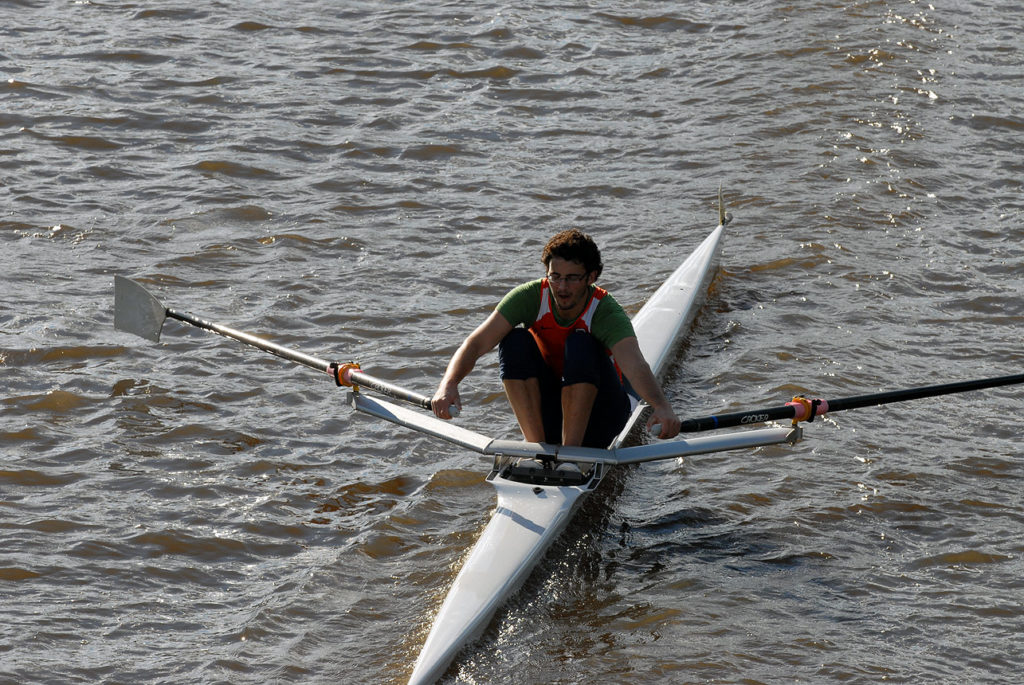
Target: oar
[
  {"x": 803, "y": 409},
  {"x": 137, "y": 311}
]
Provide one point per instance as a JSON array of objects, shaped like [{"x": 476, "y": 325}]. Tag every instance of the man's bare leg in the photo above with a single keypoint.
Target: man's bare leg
[
  {"x": 577, "y": 403},
  {"x": 524, "y": 396}
]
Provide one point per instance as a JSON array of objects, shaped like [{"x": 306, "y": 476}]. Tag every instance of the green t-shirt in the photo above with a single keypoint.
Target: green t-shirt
[{"x": 610, "y": 324}]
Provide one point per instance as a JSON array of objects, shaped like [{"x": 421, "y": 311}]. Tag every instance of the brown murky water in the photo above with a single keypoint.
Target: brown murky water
[{"x": 364, "y": 181}]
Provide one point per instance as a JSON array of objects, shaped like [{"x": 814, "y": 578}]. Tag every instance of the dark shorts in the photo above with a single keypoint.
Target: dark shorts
[{"x": 586, "y": 361}]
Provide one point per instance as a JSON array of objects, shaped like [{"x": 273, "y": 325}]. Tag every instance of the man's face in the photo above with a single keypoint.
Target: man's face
[{"x": 570, "y": 284}]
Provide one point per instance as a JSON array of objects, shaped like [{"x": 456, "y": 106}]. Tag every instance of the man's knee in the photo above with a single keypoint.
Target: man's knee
[{"x": 517, "y": 355}]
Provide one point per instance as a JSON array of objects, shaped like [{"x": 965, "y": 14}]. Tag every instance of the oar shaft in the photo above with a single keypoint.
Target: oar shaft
[
  {"x": 922, "y": 392},
  {"x": 137, "y": 311},
  {"x": 389, "y": 389},
  {"x": 265, "y": 345},
  {"x": 742, "y": 418},
  {"x": 348, "y": 376},
  {"x": 798, "y": 409}
]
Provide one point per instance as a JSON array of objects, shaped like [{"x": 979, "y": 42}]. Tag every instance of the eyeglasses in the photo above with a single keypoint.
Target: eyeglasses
[{"x": 571, "y": 279}]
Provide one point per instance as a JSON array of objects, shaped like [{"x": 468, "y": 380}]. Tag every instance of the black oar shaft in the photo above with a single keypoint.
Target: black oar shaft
[
  {"x": 743, "y": 418},
  {"x": 794, "y": 409},
  {"x": 922, "y": 392}
]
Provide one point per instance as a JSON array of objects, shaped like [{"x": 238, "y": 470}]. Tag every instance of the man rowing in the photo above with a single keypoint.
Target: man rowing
[{"x": 565, "y": 348}]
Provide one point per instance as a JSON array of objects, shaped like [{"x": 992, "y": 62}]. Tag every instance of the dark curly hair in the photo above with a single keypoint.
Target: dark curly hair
[{"x": 575, "y": 246}]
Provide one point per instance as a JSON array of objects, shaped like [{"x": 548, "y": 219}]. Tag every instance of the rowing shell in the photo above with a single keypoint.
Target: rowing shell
[
  {"x": 539, "y": 485},
  {"x": 536, "y": 502}
]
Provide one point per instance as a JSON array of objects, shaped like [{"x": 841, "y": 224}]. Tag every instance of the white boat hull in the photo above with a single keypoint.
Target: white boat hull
[
  {"x": 530, "y": 515},
  {"x": 526, "y": 521}
]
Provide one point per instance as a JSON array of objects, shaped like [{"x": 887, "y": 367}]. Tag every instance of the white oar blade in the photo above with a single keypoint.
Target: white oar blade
[{"x": 136, "y": 310}]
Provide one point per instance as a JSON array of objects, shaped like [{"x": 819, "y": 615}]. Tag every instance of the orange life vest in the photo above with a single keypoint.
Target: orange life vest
[{"x": 551, "y": 336}]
